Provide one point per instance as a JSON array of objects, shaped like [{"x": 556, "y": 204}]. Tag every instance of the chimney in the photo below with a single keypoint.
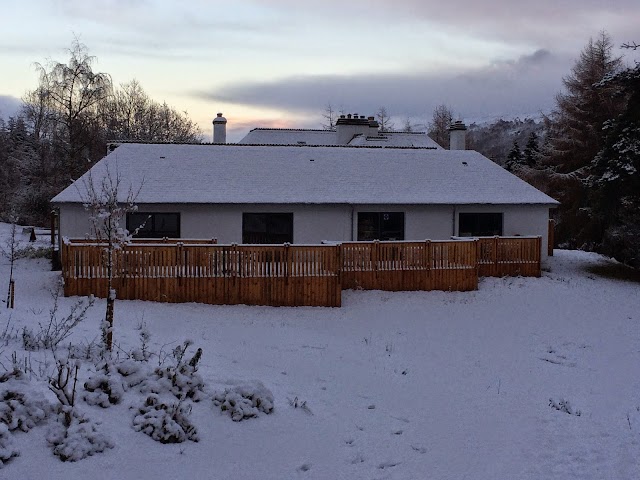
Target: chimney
[
  {"x": 457, "y": 136},
  {"x": 349, "y": 126},
  {"x": 373, "y": 127},
  {"x": 219, "y": 129}
]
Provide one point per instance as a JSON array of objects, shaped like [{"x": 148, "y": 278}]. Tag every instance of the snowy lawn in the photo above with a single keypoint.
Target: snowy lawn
[{"x": 523, "y": 379}]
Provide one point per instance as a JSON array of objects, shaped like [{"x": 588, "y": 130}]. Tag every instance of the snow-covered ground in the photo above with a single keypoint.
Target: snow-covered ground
[{"x": 405, "y": 385}]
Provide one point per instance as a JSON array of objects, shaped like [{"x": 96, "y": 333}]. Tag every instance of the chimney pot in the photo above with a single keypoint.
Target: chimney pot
[
  {"x": 219, "y": 129},
  {"x": 457, "y": 136}
]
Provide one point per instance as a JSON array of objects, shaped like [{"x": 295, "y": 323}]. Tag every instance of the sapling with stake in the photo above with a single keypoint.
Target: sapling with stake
[
  {"x": 108, "y": 207},
  {"x": 10, "y": 250}
]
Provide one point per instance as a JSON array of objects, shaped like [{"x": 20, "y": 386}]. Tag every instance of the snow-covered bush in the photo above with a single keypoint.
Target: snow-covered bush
[
  {"x": 75, "y": 437},
  {"x": 165, "y": 422},
  {"x": 245, "y": 400},
  {"x": 21, "y": 409},
  {"x": 181, "y": 379},
  {"x": 7, "y": 451},
  {"x": 564, "y": 406},
  {"x": 133, "y": 372},
  {"x": 104, "y": 388},
  {"x": 50, "y": 333}
]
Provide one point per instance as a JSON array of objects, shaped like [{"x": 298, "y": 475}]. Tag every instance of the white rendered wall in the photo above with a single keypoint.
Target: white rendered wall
[
  {"x": 421, "y": 222},
  {"x": 314, "y": 223},
  {"x": 521, "y": 220}
]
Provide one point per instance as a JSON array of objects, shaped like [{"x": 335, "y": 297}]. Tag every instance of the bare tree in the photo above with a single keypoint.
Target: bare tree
[
  {"x": 438, "y": 128},
  {"x": 384, "y": 120},
  {"x": 330, "y": 116},
  {"x": 407, "y": 126},
  {"x": 130, "y": 114},
  {"x": 108, "y": 207}
]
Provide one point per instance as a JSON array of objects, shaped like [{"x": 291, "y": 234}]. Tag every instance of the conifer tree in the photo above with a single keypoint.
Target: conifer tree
[
  {"x": 514, "y": 159},
  {"x": 614, "y": 180},
  {"x": 575, "y": 136}
]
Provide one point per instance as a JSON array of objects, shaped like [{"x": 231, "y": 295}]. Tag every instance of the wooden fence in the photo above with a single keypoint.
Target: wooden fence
[
  {"x": 291, "y": 275},
  {"x": 278, "y": 275},
  {"x": 509, "y": 256},
  {"x": 397, "y": 266}
]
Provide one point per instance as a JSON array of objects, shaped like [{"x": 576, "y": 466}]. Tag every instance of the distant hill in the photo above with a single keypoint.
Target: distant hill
[
  {"x": 495, "y": 139},
  {"x": 9, "y": 106}
]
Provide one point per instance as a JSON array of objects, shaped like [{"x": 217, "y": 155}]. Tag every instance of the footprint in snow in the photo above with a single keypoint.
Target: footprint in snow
[
  {"x": 305, "y": 467},
  {"x": 385, "y": 465},
  {"x": 418, "y": 449}
]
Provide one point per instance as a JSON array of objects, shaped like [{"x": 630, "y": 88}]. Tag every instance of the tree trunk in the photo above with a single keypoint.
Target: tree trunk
[{"x": 108, "y": 334}]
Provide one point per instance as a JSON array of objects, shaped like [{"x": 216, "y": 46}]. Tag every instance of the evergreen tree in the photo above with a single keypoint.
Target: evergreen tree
[
  {"x": 615, "y": 174},
  {"x": 575, "y": 136},
  {"x": 514, "y": 158},
  {"x": 531, "y": 153}
]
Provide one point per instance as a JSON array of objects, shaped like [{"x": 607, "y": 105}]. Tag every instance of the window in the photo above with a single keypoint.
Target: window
[
  {"x": 154, "y": 225},
  {"x": 380, "y": 226},
  {"x": 267, "y": 227},
  {"x": 479, "y": 224}
]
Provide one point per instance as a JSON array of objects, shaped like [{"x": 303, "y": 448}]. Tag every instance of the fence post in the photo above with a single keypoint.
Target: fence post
[
  {"x": 338, "y": 292},
  {"x": 53, "y": 227},
  {"x": 287, "y": 262},
  {"x": 539, "y": 256},
  {"x": 375, "y": 251},
  {"x": 551, "y": 237},
  {"x": 495, "y": 255},
  {"x": 179, "y": 262}
]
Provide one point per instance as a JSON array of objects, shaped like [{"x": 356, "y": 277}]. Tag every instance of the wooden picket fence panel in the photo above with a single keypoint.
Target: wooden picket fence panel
[
  {"x": 279, "y": 275},
  {"x": 400, "y": 266},
  {"x": 291, "y": 275},
  {"x": 509, "y": 256}
]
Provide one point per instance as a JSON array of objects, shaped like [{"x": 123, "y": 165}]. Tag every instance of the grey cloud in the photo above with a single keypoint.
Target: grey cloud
[
  {"x": 524, "y": 86},
  {"x": 563, "y": 24}
]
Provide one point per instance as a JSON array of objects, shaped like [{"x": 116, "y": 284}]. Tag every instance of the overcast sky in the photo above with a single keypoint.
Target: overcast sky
[{"x": 279, "y": 62}]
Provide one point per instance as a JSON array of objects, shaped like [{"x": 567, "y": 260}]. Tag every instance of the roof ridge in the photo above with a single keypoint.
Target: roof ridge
[
  {"x": 221, "y": 145},
  {"x": 293, "y": 129}
]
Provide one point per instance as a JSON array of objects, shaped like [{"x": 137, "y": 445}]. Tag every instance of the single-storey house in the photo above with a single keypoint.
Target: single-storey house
[{"x": 301, "y": 193}]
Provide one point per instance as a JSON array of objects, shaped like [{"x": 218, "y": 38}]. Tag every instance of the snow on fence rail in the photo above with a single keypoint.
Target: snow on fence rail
[
  {"x": 509, "y": 256},
  {"x": 291, "y": 275},
  {"x": 398, "y": 266},
  {"x": 279, "y": 275}
]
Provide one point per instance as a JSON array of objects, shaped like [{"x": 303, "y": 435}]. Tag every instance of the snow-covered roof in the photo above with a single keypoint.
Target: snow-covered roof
[
  {"x": 230, "y": 174},
  {"x": 299, "y": 136},
  {"x": 396, "y": 139},
  {"x": 289, "y": 136}
]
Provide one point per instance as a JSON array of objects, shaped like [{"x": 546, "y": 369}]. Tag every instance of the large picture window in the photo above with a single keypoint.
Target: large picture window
[
  {"x": 154, "y": 225},
  {"x": 267, "y": 227},
  {"x": 380, "y": 226},
  {"x": 479, "y": 224}
]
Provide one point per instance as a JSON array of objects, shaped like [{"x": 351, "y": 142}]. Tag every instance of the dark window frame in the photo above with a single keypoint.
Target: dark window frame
[
  {"x": 150, "y": 230},
  {"x": 376, "y": 230},
  {"x": 480, "y": 224},
  {"x": 269, "y": 235}
]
